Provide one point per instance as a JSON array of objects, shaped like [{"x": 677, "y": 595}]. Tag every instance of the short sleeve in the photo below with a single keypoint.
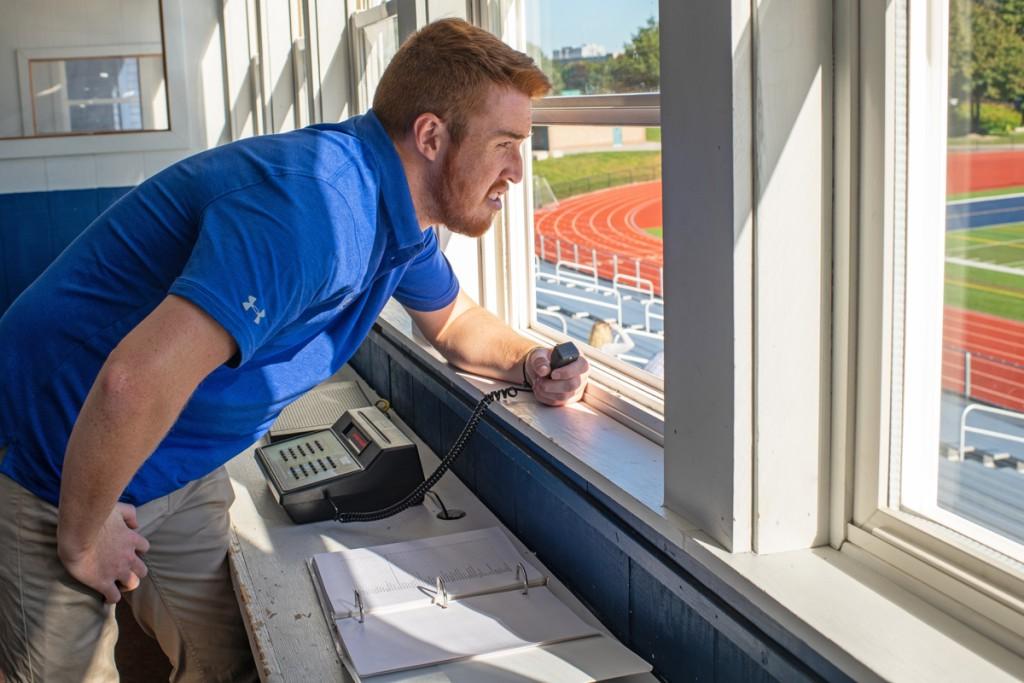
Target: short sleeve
[
  {"x": 429, "y": 283},
  {"x": 261, "y": 258}
]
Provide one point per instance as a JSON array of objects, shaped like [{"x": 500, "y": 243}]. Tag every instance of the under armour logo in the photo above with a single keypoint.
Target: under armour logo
[{"x": 250, "y": 305}]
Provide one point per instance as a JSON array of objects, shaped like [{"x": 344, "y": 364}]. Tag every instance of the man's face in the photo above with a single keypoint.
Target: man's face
[{"x": 475, "y": 175}]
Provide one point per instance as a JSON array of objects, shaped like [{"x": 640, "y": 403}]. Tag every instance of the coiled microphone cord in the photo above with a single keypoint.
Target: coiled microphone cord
[{"x": 416, "y": 495}]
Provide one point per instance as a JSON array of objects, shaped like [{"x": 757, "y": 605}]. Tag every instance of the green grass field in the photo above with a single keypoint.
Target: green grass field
[
  {"x": 987, "y": 140},
  {"x": 575, "y": 174},
  {"x": 982, "y": 289},
  {"x": 1019, "y": 189},
  {"x": 976, "y": 288}
]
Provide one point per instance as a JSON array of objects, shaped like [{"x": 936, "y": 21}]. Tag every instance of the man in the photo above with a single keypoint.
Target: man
[{"x": 171, "y": 333}]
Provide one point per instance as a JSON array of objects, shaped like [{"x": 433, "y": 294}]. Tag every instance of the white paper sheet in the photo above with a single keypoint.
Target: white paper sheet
[
  {"x": 484, "y": 624},
  {"x": 400, "y": 575}
]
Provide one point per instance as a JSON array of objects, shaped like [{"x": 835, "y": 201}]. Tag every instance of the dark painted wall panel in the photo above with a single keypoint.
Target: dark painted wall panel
[
  {"x": 35, "y": 227},
  {"x": 667, "y": 633},
  {"x": 496, "y": 476},
  {"x": 599, "y": 571},
  {"x": 732, "y": 664},
  {"x": 638, "y": 591}
]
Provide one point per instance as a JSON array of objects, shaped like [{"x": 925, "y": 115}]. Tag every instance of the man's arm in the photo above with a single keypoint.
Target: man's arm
[
  {"x": 470, "y": 337},
  {"x": 136, "y": 398}
]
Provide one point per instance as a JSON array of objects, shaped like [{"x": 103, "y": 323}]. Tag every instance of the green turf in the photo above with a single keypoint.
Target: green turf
[
  {"x": 575, "y": 174},
  {"x": 984, "y": 290},
  {"x": 654, "y": 231},
  {"x": 987, "y": 140},
  {"x": 1016, "y": 189}
]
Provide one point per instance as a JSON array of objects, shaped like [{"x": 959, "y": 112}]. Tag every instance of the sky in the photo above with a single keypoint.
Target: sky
[{"x": 563, "y": 23}]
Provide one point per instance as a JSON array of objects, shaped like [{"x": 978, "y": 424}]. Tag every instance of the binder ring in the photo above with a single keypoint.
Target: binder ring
[
  {"x": 521, "y": 570},
  {"x": 441, "y": 594},
  {"x": 359, "y": 604}
]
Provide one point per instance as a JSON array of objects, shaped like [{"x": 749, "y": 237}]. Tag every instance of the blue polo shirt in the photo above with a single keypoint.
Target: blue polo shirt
[{"x": 292, "y": 242}]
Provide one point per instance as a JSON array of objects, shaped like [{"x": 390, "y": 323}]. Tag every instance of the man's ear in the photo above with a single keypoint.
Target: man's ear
[{"x": 430, "y": 135}]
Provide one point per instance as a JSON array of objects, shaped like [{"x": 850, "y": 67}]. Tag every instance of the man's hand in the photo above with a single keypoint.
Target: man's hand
[
  {"x": 112, "y": 558},
  {"x": 559, "y": 387}
]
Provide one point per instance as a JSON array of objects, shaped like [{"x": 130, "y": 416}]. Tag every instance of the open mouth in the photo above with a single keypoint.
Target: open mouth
[{"x": 494, "y": 199}]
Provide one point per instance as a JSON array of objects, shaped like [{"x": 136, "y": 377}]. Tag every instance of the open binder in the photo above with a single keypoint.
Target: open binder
[{"x": 413, "y": 604}]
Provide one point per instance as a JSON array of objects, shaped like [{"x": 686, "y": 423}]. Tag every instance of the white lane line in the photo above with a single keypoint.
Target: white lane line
[{"x": 985, "y": 266}]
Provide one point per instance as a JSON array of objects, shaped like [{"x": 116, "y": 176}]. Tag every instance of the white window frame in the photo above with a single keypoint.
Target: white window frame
[
  {"x": 623, "y": 391},
  {"x": 27, "y": 57},
  {"x": 749, "y": 172},
  {"x": 179, "y": 101},
  {"x": 948, "y": 567}
]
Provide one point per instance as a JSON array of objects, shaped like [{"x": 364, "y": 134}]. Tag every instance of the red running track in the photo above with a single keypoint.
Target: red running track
[
  {"x": 969, "y": 171},
  {"x": 611, "y": 222},
  {"x": 606, "y": 227},
  {"x": 997, "y": 357}
]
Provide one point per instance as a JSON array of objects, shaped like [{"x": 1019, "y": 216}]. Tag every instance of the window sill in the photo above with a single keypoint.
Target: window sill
[{"x": 845, "y": 610}]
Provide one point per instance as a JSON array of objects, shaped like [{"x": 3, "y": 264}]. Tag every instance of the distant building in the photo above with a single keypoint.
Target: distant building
[{"x": 590, "y": 51}]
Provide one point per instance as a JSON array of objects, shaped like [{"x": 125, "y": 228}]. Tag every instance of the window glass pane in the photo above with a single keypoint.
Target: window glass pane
[
  {"x": 378, "y": 44},
  {"x": 588, "y": 52},
  {"x": 597, "y": 245},
  {"x": 94, "y": 95},
  {"x": 981, "y": 464}
]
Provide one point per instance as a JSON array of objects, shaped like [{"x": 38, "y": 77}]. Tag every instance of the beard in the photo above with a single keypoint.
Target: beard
[{"x": 455, "y": 203}]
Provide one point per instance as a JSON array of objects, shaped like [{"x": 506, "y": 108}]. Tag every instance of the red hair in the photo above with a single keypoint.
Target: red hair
[{"x": 447, "y": 68}]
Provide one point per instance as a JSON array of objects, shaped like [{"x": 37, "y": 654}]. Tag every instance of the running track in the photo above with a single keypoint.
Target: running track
[
  {"x": 608, "y": 230},
  {"x": 997, "y": 357}
]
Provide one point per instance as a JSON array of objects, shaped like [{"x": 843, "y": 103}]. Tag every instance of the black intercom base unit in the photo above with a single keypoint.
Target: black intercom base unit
[{"x": 362, "y": 463}]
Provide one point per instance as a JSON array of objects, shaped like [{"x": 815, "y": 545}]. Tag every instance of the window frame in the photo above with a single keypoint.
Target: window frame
[
  {"x": 179, "y": 100},
  {"x": 28, "y": 58},
  {"x": 622, "y": 391},
  {"x": 947, "y": 567}
]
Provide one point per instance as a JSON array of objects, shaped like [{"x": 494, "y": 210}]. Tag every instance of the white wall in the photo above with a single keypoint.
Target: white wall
[
  {"x": 71, "y": 23},
  {"x": 65, "y": 23}
]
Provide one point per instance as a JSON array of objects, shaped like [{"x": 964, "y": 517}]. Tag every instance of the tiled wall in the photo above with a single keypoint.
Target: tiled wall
[
  {"x": 36, "y": 226},
  {"x": 632, "y": 582}
]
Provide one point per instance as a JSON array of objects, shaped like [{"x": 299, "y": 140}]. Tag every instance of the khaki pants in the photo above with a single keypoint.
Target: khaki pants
[{"x": 53, "y": 628}]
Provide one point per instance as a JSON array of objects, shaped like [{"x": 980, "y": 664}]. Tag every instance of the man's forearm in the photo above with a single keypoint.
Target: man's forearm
[
  {"x": 121, "y": 422},
  {"x": 478, "y": 342}
]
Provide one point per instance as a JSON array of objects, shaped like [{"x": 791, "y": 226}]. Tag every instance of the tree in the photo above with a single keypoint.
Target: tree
[
  {"x": 986, "y": 53},
  {"x": 547, "y": 66},
  {"x": 588, "y": 77},
  {"x": 637, "y": 69}
]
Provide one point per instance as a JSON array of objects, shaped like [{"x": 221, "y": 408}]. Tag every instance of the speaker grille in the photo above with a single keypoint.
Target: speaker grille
[{"x": 319, "y": 408}]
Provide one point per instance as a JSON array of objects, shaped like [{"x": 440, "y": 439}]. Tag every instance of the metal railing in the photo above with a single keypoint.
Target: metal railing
[
  {"x": 989, "y": 384},
  {"x": 648, "y": 316},
  {"x": 590, "y": 303},
  {"x": 643, "y": 285},
  {"x": 979, "y": 408},
  {"x": 562, "y": 323},
  {"x": 606, "y": 263},
  {"x": 578, "y": 274}
]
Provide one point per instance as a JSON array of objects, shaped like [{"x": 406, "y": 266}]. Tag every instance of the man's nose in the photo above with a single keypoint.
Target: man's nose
[{"x": 514, "y": 172}]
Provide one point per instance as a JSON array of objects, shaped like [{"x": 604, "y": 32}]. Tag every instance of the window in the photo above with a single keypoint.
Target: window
[
  {"x": 940, "y": 294},
  {"x": 981, "y": 429},
  {"x": 113, "y": 79},
  {"x": 597, "y": 258},
  {"x": 97, "y": 94},
  {"x": 120, "y": 87}
]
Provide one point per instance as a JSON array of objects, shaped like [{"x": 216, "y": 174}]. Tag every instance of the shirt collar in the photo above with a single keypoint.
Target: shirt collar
[{"x": 394, "y": 188}]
